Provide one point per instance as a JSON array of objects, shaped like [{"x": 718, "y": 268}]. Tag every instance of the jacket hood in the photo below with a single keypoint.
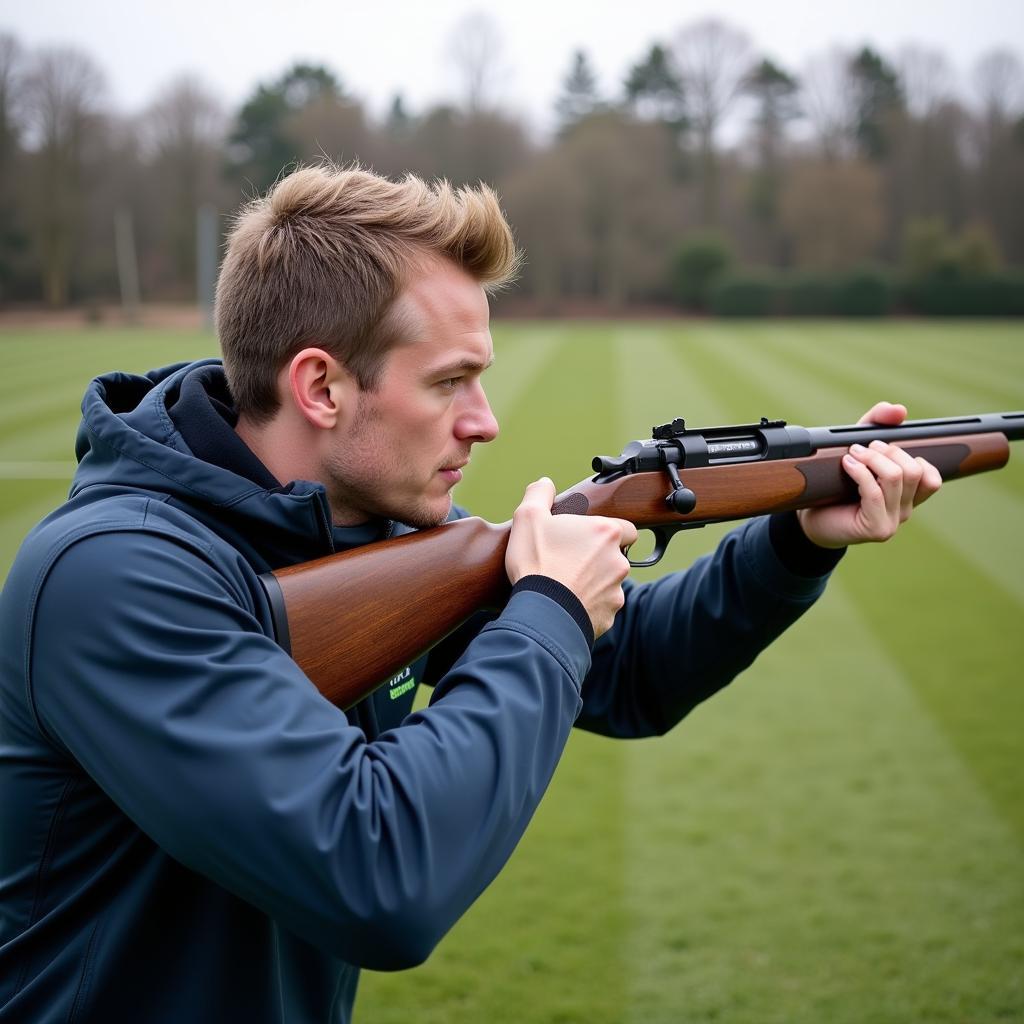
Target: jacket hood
[{"x": 128, "y": 440}]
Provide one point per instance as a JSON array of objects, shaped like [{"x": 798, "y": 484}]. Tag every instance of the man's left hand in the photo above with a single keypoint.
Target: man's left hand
[{"x": 890, "y": 482}]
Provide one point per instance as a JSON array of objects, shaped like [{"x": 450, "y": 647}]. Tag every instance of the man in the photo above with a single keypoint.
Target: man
[{"x": 190, "y": 832}]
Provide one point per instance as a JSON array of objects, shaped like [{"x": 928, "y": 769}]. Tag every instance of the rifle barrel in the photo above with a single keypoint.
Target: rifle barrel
[{"x": 1009, "y": 423}]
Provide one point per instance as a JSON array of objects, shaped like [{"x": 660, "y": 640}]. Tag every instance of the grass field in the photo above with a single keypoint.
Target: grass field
[{"x": 837, "y": 837}]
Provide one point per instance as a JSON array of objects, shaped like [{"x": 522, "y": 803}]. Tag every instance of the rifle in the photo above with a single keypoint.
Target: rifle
[{"x": 352, "y": 620}]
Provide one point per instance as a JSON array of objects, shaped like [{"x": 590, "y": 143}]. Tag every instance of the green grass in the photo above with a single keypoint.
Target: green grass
[{"x": 837, "y": 837}]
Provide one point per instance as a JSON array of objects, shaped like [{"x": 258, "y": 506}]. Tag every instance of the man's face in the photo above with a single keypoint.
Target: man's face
[{"x": 401, "y": 451}]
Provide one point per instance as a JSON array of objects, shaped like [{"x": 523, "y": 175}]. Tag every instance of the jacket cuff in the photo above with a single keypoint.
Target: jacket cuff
[
  {"x": 771, "y": 571},
  {"x": 545, "y": 620},
  {"x": 562, "y": 595},
  {"x": 800, "y": 556}
]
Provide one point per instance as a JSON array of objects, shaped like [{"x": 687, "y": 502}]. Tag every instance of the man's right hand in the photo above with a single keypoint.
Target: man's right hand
[{"x": 584, "y": 553}]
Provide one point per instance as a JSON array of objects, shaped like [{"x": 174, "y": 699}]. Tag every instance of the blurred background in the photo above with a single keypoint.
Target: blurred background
[
  {"x": 761, "y": 161},
  {"x": 780, "y": 210}
]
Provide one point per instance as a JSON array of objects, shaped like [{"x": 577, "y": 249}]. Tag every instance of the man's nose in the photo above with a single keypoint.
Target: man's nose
[{"x": 477, "y": 421}]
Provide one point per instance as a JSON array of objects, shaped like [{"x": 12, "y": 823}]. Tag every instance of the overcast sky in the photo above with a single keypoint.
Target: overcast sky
[{"x": 378, "y": 49}]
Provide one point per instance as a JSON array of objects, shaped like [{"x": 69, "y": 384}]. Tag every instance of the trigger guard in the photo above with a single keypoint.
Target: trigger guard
[{"x": 662, "y": 535}]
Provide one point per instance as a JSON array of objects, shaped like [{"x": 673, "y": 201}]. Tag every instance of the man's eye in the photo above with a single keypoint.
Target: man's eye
[{"x": 450, "y": 383}]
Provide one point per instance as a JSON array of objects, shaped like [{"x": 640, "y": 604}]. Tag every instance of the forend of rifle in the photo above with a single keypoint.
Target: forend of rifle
[{"x": 679, "y": 447}]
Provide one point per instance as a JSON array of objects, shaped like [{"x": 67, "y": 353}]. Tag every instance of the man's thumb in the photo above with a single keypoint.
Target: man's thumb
[{"x": 540, "y": 494}]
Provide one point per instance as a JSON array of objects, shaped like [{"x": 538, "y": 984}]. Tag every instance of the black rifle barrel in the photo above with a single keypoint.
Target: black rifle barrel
[
  {"x": 1009, "y": 423},
  {"x": 672, "y": 444}
]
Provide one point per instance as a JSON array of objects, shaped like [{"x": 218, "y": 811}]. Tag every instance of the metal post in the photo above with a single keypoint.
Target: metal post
[
  {"x": 206, "y": 261},
  {"x": 127, "y": 264}
]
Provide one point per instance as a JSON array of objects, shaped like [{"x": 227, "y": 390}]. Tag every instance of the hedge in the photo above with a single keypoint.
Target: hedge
[{"x": 869, "y": 291}]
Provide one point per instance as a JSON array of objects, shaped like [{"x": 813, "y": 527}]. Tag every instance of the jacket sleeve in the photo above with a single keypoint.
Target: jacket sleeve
[
  {"x": 682, "y": 638},
  {"x": 149, "y": 669}
]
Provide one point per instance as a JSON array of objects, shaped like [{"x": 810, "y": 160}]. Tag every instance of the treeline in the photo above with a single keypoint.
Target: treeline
[{"x": 713, "y": 180}]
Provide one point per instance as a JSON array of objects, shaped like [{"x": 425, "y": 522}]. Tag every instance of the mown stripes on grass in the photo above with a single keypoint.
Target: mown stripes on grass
[
  {"x": 810, "y": 847},
  {"x": 562, "y": 411},
  {"x": 27, "y": 407},
  {"x": 51, "y": 440},
  {"x": 837, "y": 836},
  {"x": 37, "y": 470},
  {"x": 992, "y": 554},
  {"x": 964, "y": 384},
  {"x": 759, "y": 377},
  {"x": 995, "y": 343},
  {"x": 662, "y": 376},
  {"x": 955, "y": 633},
  {"x": 660, "y": 380},
  {"x": 43, "y": 375},
  {"x": 521, "y": 357},
  {"x": 953, "y": 368},
  {"x": 23, "y": 503},
  {"x": 988, "y": 347},
  {"x": 715, "y": 975},
  {"x": 981, "y": 522},
  {"x": 792, "y": 930}
]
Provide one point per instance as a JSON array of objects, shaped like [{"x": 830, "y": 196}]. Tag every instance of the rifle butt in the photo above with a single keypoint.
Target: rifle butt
[{"x": 353, "y": 620}]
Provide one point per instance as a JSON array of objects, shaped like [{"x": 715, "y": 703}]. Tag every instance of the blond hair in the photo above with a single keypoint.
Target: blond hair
[{"x": 320, "y": 259}]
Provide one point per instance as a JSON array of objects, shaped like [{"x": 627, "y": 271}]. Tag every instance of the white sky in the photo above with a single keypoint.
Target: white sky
[{"x": 378, "y": 49}]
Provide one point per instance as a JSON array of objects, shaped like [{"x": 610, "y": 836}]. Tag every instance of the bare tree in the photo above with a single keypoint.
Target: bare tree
[
  {"x": 998, "y": 151},
  {"x": 475, "y": 49},
  {"x": 597, "y": 213},
  {"x": 11, "y": 61},
  {"x": 714, "y": 60},
  {"x": 833, "y": 212},
  {"x": 927, "y": 78},
  {"x": 184, "y": 118},
  {"x": 11, "y": 240},
  {"x": 182, "y": 136},
  {"x": 63, "y": 91},
  {"x": 827, "y": 100},
  {"x": 998, "y": 80},
  {"x": 924, "y": 170}
]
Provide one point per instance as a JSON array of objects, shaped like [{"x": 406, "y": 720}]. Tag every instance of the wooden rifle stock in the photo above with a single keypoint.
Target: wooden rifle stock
[{"x": 353, "y": 620}]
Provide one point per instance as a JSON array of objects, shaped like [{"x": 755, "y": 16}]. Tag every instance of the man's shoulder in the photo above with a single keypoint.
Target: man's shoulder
[
  {"x": 108, "y": 536},
  {"x": 128, "y": 512}
]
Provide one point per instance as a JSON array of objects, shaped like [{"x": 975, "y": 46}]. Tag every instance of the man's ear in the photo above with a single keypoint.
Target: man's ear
[{"x": 321, "y": 388}]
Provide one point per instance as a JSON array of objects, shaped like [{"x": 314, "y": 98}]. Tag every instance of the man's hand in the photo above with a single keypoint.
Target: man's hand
[
  {"x": 890, "y": 482},
  {"x": 584, "y": 553}
]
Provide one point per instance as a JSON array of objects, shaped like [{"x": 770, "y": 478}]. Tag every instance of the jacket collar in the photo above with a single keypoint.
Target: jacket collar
[{"x": 172, "y": 431}]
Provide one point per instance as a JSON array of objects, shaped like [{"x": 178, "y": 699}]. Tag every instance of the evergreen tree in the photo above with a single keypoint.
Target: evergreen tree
[
  {"x": 775, "y": 93},
  {"x": 579, "y": 96},
  {"x": 399, "y": 121},
  {"x": 260, "y": 147},
  {"x": 654, "y": 91},
  {"x": 879, "y": 97}
]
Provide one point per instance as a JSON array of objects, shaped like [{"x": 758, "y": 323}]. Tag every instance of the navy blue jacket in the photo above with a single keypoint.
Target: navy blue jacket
[{"x": 188, "y": 830}]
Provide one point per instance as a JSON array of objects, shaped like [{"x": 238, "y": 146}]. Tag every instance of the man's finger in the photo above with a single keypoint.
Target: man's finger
[
  {"x": 887, "y": 414},
  {"x": 912, "y": 472},
  {"x": 871, "y": 493},
  {"x": 931, "y": 481},
  {"x": 629, "y": 533}
]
